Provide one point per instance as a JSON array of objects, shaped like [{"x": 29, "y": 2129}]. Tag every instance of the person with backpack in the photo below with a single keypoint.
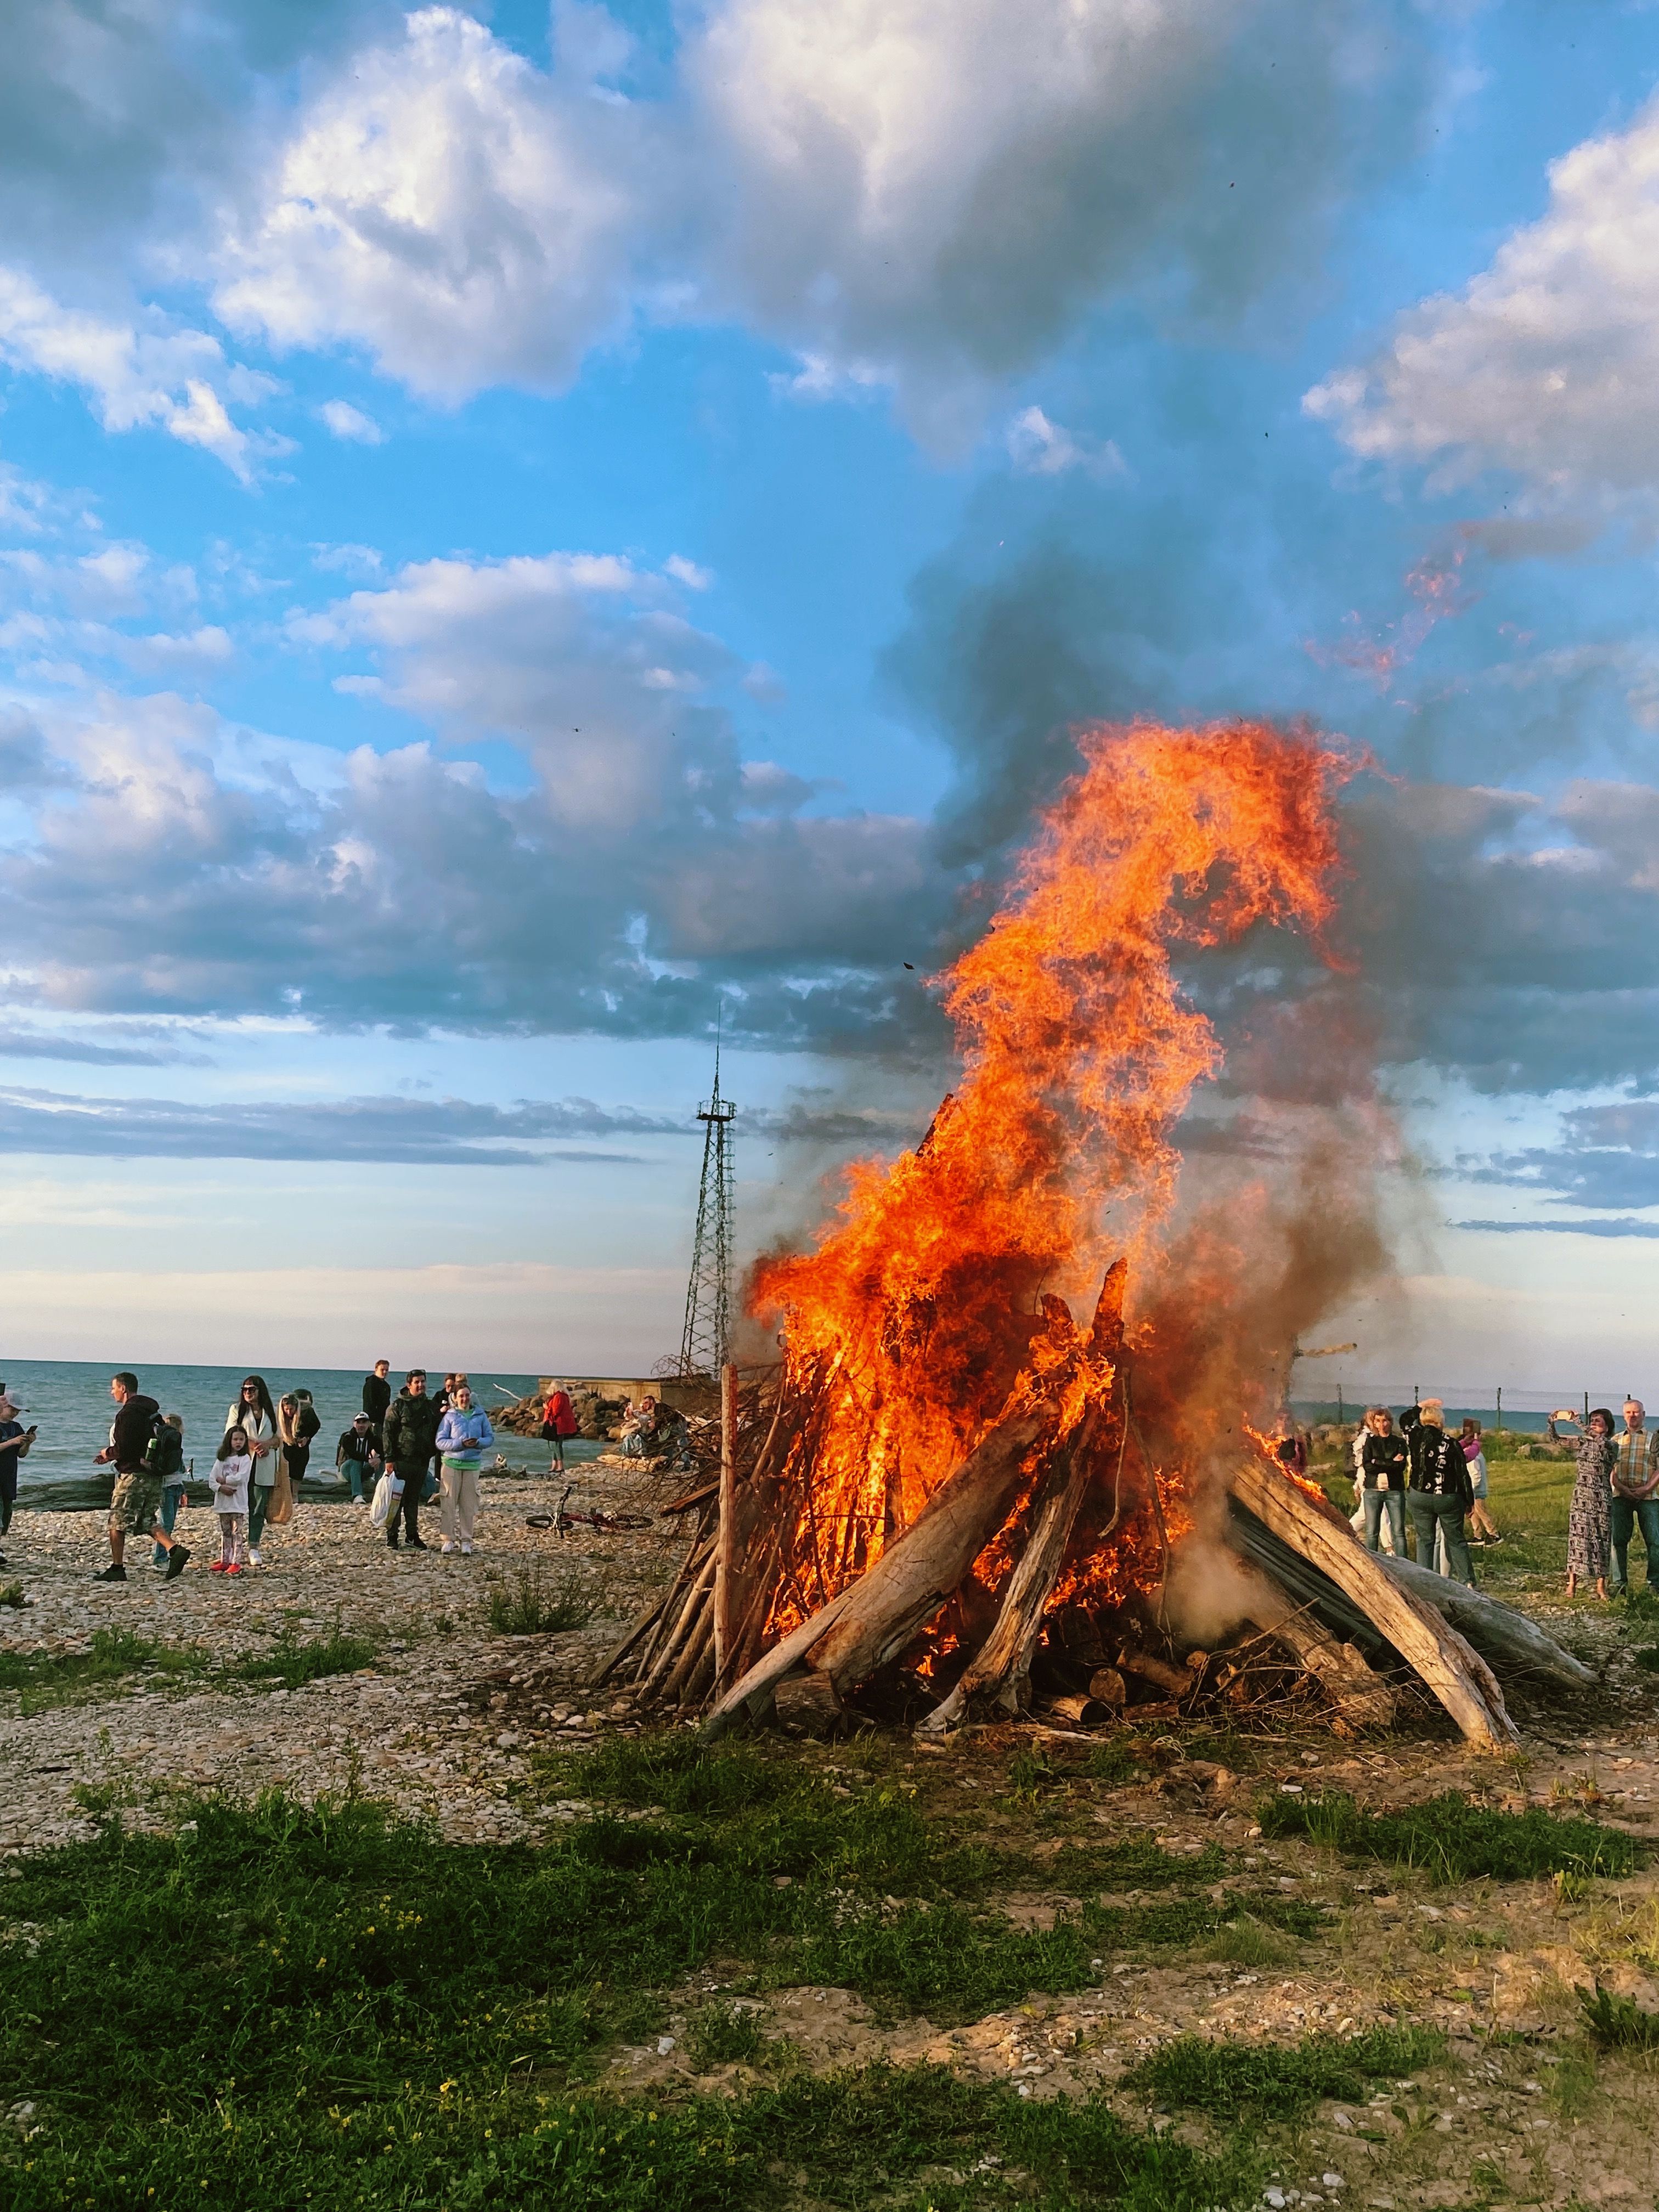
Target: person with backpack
[
  {"x": 252, "y": 1411},
  {"x": 411, "y": 1437},
  {"x": 1439, "y": 1489},
  {"x": 144, "y": 1451},
  {"x": 172, "y": 1492}
]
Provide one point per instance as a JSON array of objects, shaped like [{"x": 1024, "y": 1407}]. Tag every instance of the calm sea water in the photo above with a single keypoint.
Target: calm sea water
[{"x": 70, "y": 1402}]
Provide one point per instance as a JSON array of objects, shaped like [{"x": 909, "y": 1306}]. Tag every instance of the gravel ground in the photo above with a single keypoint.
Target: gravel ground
[{"x": 422, "y": 1728}]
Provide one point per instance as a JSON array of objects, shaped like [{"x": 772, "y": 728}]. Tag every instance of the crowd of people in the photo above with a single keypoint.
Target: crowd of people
[{"x": 399, "y": 1453}]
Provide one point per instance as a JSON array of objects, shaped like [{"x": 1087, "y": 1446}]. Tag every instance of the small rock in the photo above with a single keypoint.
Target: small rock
[{"x": 665, "y": 2044}]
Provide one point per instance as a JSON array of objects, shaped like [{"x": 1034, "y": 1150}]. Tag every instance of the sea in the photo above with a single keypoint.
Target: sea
[{"x": 69, "y": 1400}]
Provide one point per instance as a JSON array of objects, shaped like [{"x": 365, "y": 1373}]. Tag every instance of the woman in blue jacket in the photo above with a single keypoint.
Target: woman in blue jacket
[{"x": 464, "y": 1436}]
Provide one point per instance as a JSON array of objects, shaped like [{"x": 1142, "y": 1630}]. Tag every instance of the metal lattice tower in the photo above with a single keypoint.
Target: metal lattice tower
[{"x": 709, "y": 1294}]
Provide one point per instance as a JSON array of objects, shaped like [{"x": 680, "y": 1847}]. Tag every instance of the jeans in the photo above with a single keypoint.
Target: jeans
[
  {"x": 173, "y": 1496},
  {"x": 1373, "y": 1502},
  {"x": 359, "y": 1474},
  {"x": 1627, "y": 1512},
  {"x": 1430, "y": 1511},
  {"x": 406, "y": 1510},
  {"x": 260, "y": 1495}
]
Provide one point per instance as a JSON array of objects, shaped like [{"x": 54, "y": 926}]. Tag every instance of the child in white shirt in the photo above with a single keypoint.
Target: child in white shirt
[{"x": 233, "y": 1469}]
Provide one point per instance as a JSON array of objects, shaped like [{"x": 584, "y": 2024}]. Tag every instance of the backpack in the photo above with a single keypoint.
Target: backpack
[{"x": 164, "y": 1452}]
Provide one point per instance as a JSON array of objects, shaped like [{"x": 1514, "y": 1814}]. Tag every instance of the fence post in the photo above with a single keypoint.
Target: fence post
[{"x": 1497, "y": 1423}]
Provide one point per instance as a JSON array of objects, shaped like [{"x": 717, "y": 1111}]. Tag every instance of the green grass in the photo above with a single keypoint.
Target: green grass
[
  {"x": 722, "y": 2035},
  {"x": 1451, "y": 1840},
  {"x": 283, "y": 2004},
  {"x": 536, "y": 1600},
  {"x": 291, "y": 1663},
  {"x": 12, "y": 1595},
  {"x": 45, "y": 1679},
  {"x": 1233, "y": 2082},
  {"x": 1618, "y": 2023},
  {"x": 852, "y": 2139}
]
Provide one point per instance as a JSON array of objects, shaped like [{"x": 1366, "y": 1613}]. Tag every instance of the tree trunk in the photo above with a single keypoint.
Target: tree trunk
[
  {"x": 728, "y": 1588},
  {"x": 1456, "y": 1674}
]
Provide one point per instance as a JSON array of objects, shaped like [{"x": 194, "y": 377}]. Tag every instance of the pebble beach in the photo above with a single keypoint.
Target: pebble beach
[{"x": 438, "y": 1724}]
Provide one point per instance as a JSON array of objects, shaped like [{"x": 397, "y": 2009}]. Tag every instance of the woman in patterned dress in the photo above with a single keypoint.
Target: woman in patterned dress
[{"x": 1590, "y": 1519}]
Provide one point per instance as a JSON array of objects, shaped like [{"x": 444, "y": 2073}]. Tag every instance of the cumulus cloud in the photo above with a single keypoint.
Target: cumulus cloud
[
  {"x": 342, "y": 419},
  {"x": 467, "y": 217},
  {"x": 1548, "y": 363},
  {"x": 132, "y": 375}
]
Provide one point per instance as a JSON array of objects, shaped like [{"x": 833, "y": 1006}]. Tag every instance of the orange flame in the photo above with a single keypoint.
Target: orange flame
[{"x": 918, "y": 1307}]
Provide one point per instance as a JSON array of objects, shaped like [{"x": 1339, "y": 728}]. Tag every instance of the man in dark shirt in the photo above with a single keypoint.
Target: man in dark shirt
[
  {"x": 14, "y": 1441},
  {"x": 359, "y": 1456},
  {"x": 1440, "y": 1489},
  {"x": 411, "y": 1432},
  {"x": 135, "y": 1505},
  {"x": 1635, "y": 1495},
  {"x": 1382, "y": 1469},
  {"x": 377, "y": 1396}
]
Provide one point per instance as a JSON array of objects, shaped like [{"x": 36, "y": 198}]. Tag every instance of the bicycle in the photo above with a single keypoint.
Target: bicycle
[{"x": 562, "y": 1522}]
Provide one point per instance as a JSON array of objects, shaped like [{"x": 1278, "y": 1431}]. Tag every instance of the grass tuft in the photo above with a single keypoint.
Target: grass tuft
[
  {"x": 537, "y": 1600},
  {"x": 1451, "y": 1840},
  {"x": 722, "y": 2035},
  {"x": 11, "y": 1593},
  {"x": 1233, "y": 2082},
  {"x": 1618, "y": 2023},
  {"x": 291, "y": 1663}
]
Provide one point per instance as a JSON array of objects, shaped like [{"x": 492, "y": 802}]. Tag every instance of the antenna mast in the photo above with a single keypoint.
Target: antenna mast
[{"x": 709, "y": 1294}]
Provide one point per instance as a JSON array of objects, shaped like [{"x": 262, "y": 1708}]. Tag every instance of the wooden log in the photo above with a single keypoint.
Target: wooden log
[
  {"x": 1107, "y": 1687},
  {"x": 698, "y": 1645},
  {"x": 1001, "y": 1671},
  {"x": 1449, "y": 1666},
  {"x": 1083, "y": 1712},
  {"x": 1177, "y": 1682},
  {"x": 1362, "y": 1697},
  {"x": 1515, "y": 1648},
  {"x": 690, "y": 1614},
  {"x": 728, "y": 1593}
]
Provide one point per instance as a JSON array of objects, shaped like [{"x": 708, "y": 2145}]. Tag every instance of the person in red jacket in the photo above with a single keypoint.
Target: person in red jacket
[{"x": 558, "y": 1422}]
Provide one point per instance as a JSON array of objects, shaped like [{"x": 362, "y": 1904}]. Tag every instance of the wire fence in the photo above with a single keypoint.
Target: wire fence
[{"x": 1498, "y": 1405}]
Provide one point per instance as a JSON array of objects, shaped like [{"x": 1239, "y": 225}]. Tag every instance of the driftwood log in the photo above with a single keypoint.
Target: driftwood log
[
  {"x": 1515, "y": 1648},
  {"x": 1430, "y": 1645}
]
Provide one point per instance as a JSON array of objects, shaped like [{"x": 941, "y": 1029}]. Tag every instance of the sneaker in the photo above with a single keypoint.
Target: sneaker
[
  {"x": 234, "y": 1570},
  {"x": 466, "y": 1549},
  {"x": 393, "y": 1545},
  {"x": 445, "y": 1548},
  {"x": 255, "y": 1559},
  {"x": 112, "y": 1574},
  {"x": 360, "y": 1501},
  {"x": 416, "y": 1544},
  {"x": 218, "y": 1567},
  {"x": 176, "y": 1558}
]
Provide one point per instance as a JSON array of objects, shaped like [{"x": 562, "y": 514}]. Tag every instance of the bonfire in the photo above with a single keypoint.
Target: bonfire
[{"x": 1021, "y": 1417}]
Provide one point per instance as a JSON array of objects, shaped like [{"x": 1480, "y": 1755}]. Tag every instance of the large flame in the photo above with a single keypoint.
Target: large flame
[{"x": 910, "y": 1319}]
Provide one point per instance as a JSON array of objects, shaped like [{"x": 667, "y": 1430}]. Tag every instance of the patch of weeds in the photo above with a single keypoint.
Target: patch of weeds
[
  {"x": 1571, "y": 1887},
  {"x": 1111, "y": 1762},
  {"x": 1451, "y": 1840},
  {"x": 1030, "y": 1773},
  {"x": 952, "y": 1964},
  {"x": 1647, "y": 1658},
  {"x": 45, "y": 1679},
  {"x": 1247, "y": 1942},
  {"x": 11, "y": 1593},
  {"x": 1618, "y": 2023},
  {"x": 291, "y": 1663},
  {"x": 1573, "y": 2083},
  {"x": 1642, "y": 1605},
  {"x": 1136, "y": 1863},
  {"x": 1233, "y": 2082},
  {"x": 99, "y": 1799},
  {"x": 722, "y": 2035},
  {"x": 538, "y": 1600},
  {"x": 1489, "y": 2178},
  {"x": 675, "y": 1769}
]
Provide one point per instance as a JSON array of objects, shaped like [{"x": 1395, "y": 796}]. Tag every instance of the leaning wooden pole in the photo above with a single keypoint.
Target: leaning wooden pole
[
  {"x": 1449, "y": 1667},
  {"x": 728, "y": 1597}
]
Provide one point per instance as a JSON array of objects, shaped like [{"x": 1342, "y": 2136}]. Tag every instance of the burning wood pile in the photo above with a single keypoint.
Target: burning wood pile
[{"x": 954, "y": 1499}]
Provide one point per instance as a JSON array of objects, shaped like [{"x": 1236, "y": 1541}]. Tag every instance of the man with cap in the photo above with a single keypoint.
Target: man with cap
[
  {"x": 357, "y": 1455},
  {"x": 1438, "y": 1490},
  {"x": 1635, "y": 1494}
]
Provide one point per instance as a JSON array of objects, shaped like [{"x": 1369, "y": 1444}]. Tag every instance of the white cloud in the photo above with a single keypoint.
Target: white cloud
[
  {"x": 465, "y": 215},
  {"x": 687, "y": 573},
  {"x": 342, "y": 419},
  {"x": 1040, "y": 448},
  {"x": 1547, "y": 364},
  {"x": 160, "y": 376}
]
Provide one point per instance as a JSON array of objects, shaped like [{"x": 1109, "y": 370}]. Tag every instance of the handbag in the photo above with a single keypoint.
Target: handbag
[{"x": 282, "y": 1500}]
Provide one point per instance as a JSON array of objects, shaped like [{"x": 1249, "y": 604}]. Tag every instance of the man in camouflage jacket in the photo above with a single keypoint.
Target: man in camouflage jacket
[{"x": 411, "y": 1432}]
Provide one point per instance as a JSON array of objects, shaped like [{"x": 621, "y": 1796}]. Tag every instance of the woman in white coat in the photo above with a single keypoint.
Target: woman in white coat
[{"x": 252, "y": 1411}]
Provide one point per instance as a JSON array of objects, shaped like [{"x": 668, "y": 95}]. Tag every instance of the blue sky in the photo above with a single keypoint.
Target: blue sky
[{"x": 518, "y": 532}]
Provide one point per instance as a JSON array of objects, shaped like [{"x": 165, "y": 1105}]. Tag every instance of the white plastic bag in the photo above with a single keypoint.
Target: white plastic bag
[{"x": 379, "y": 1506}]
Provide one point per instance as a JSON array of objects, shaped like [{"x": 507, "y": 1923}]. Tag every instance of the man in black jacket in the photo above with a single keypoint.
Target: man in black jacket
[
  {"x": 135, "y": 1505},
  {"x": 411, "y": 1436},
  {"x": 377, "y": 1396},
  {"x": 1440, "y": 1491}
]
